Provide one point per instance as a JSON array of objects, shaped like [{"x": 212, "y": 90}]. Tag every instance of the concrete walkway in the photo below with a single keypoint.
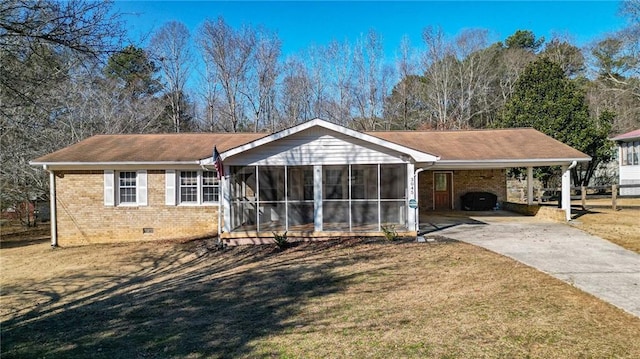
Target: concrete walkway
[{"x": 590, "y": 263}]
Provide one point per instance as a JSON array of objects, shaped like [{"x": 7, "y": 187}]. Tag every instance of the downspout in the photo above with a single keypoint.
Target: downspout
[
  {"x": 52, "y": 207},
  {"x": 415, "y": 187}
]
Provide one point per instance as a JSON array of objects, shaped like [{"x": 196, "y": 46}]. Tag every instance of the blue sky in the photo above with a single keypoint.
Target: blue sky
[{"x": 301, "y": 24}]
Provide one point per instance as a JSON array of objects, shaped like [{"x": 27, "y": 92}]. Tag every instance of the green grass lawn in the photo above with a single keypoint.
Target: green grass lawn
[{"x": 336, "y": 299}]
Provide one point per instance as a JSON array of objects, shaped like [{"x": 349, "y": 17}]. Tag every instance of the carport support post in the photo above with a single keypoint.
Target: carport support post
[
  {"x": 530, "y": 186},
  {"x": 566, "y": 191}
]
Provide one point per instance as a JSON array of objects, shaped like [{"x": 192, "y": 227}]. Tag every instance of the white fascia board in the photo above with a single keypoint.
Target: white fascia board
[
  {"x": 416, "y": 155},
  {"x": 103, "y": 165},
  {"x": 480, "y": 164}
]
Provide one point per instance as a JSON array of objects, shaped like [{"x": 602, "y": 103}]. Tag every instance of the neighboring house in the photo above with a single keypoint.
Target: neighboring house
[
  {"x": 316, "y": 179},
  {"x": 629, "y": 161}
]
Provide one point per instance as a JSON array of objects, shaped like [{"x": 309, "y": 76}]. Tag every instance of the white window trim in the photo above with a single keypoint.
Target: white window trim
[
  {"x": 112, "y": 189},
  {"x": 119, "y": 188},
  {"x": 200, "y": 197}
]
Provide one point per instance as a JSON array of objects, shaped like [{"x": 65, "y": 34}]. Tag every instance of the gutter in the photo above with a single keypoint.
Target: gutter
[{"x": 125, "y": 163}]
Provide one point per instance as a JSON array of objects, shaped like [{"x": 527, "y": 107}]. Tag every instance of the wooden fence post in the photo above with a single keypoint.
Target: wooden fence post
[
  {"x": 583, "y": 194},
  {"x": 539, "y": 197},
  {"x": 614, "y": 197}
]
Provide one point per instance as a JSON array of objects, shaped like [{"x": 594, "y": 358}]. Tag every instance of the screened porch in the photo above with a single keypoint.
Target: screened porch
[{"x": 327, "y": 198}]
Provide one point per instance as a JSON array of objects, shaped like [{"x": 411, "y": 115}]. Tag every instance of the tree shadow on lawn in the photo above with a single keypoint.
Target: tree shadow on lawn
[{"x": 176, "y": 305}]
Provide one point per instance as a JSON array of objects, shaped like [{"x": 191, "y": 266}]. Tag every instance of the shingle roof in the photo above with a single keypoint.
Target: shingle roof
[
  {"x": 503, "y": 144},
  {"x": 627, "y": 136},
  {"x": 149, "y": 147},
  {"x": 474, "y": 145}
]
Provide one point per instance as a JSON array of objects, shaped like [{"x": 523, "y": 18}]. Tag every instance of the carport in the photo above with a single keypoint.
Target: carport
[{"x": 478, "y": 161}]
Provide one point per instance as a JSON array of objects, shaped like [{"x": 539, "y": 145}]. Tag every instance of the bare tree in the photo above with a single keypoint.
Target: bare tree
[
  {"x": 209, "y": 118},
  {"x": 439, "y": 63},
  {"x": 562, "y": 52},
  {"x": 81, "y": 29},
  {"x": 404, "y": 107},
  {"x": 41, "y": 43},
  {"x": 512, "y": 64},
  {"x": 372, "y": 79},
  {"x": 261, "y": 87},
  {"x": 229, "y": 53},
  {"x": 170, "y": 47},
  {"x": 473, "y": 76},
  {"x": 296, "y": 94},
  {"x": 319, "y": 70},
  {"x": 338, "y": 55}
]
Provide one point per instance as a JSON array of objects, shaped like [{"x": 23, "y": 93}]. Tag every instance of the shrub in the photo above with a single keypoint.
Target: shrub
[
  {"x": 281, "y": 240},
  {"x": 390, "y": 232}
]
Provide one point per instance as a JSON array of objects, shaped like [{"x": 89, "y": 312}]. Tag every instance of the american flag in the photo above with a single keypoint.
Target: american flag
[{"x": 217, "y": 162}]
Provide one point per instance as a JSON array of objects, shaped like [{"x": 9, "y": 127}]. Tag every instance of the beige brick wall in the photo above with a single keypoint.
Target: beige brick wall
[
  {"x": 493, "y": 181},
  {"x": 83, "y": 218}
]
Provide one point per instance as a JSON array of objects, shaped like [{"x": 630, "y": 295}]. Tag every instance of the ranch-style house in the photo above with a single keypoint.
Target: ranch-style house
[{"x": 316, "y": 179}]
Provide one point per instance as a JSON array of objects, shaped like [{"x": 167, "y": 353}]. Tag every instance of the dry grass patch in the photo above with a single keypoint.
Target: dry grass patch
[
  {"x": 352, "y": 298},
  {"x": 621, "y": 227}
]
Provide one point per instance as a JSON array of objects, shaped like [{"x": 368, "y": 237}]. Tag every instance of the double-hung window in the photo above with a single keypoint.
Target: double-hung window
[
  {"x": 210, "y": 187},
  {"x": 188, "y": 186},
  {"x": 198, "y": 187},
  {"x": 125, "y": 188}
]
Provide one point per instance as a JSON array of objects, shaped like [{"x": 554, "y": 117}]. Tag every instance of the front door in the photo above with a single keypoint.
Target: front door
[{"x": 442, "y": 190}]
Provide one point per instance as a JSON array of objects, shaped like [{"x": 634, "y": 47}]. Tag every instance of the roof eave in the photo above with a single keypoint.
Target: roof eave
[
  {"x": 417, "y": 156},
  {"x": 111, "y": 164},
  {"x": 507, "y": 163}
]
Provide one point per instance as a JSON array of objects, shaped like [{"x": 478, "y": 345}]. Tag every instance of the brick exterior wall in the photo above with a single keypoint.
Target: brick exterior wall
[
  {"x": 492, "y": 180},
  {"x": 84, "y": 219}
]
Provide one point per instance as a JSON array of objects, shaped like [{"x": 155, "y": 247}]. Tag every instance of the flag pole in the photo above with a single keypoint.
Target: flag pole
[{"x": 217, "y": 163}]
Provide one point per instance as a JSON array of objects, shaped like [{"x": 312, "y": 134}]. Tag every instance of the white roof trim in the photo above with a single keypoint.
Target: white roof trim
[
  {"x": 416, "y": 155},
  {"x": 507, "y": 163},
  {"x": 121, "y": 163}
]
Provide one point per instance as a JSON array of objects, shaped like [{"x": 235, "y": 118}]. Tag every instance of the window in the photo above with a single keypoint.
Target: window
[
  {"x": 623, "y": 156},
  {"x": 189, "y": 187},
  {"x": 210, "y": 187},
  {"x": 127, "y": 188},
  {"x": 636, "y": 153},
  {"x": 198, "y": 187}
]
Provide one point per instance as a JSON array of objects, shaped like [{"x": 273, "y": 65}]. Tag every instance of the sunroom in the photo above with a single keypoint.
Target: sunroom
[{"x": 319, "y": 179}]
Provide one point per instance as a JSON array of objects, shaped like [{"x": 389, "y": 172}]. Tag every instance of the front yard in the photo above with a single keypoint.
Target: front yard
[
  {"x": 621, "y": 226},
  {"x": 332, "y": 299}
]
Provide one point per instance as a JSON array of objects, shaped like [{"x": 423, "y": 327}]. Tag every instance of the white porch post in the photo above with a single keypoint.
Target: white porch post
[
  {"x": 566, "y": 191},
  {"x": 226, "y": 204},
  {"x": 412, "y": 194},
  {"x": 317, "y": 197},
  {"x": 52, "y": 205},
  {"x": 530, "y": 185}
]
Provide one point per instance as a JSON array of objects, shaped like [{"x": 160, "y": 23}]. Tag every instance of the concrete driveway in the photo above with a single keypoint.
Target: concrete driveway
[{"x": 590, "y": 263}]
